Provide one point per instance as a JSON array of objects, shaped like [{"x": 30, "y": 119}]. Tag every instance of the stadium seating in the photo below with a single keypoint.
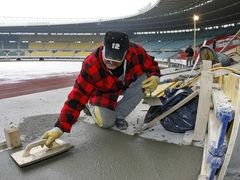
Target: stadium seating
[{"x": 161, "y": 46}]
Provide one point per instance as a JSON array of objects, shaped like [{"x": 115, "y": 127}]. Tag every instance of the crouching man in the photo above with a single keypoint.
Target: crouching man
[{"x": 118, "y": 67}]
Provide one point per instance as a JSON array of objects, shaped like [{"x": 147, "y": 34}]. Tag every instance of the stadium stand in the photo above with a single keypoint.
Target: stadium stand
[
  {"x": 165, "y": 30},
  {"x": 161, "y": 46}
]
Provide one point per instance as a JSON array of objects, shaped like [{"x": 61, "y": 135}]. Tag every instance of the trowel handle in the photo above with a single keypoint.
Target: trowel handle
[{"x": 26, "y": 151}]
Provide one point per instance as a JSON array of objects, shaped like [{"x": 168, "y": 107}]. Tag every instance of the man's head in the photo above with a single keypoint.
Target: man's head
[{"x": 116, "y": 44}]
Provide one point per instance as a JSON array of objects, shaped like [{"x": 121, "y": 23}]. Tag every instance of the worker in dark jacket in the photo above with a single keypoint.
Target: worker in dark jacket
[
  {"x": 118, "y": 67},
  {"x": 189, "y": 52}
]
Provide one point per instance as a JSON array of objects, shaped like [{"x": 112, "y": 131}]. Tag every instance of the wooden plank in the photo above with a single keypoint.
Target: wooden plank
[
  {"x": 204, "y": 104},
  {"x": 156, "y": 120},
  {"x": 212, "y": 136},
  {"x": 233, "y": 141},
  {"x": 229, "y": 86},
  {"x": 221, "y": 72},
  {"x": 213, "y": 128},
  {"x": 234, "y": 88},
  {"x": 225, "y": 83},
  {"x": 206, "y": 65},
  {"x": 204, "y": 174},
  {"x": 160, "y": 88},
  {"x": 220, "y": 81},
  {"x": 174, "y": 85},
  {"x": 190, "y": 82}
]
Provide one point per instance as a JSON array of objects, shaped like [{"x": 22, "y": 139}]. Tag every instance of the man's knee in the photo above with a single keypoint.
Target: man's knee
[
  {"x": 106, "y": 125},
  {"x": 104, "y": 117}
]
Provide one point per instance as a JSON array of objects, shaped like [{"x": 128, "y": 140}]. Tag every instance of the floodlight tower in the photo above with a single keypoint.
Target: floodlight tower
[{"x": 195, "y": 19}]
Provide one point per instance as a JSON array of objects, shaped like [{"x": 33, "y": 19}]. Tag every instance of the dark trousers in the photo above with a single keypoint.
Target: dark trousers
[{"x": 189, "y": 61}]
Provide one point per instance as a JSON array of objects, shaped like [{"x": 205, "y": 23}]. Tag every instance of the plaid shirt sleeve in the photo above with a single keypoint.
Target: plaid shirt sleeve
[
  {"x": 77, "y": 98},
  {"x": 149, "y": 66}
]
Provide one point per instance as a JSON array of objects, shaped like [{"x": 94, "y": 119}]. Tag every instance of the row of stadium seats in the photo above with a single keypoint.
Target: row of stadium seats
[
  {"x": 45, "y": 53},
  {"x": 161, "y": 46},
  {"x": 63, "y": 46},
  {"x": 58, "y": 53}
]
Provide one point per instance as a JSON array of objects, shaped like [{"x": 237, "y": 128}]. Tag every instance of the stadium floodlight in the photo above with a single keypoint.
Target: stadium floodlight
[{"x": 195, "y": 19}]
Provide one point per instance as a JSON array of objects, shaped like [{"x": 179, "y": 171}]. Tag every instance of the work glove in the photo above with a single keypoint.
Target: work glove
[
  {"x": 51, "y": 135},
  {"x": 150, "y": 84}
]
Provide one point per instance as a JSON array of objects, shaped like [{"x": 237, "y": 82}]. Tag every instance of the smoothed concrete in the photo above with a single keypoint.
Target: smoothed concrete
[
  {"x": 103, "y": 154},
  {"x": 15, "y": 109}
]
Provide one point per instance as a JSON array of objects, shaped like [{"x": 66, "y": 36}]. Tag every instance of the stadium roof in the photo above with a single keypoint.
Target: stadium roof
[{"x": 166, "y": 15}]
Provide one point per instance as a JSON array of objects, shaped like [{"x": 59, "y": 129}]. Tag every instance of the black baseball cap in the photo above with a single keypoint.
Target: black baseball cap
[{"x": 116, "y": 44}]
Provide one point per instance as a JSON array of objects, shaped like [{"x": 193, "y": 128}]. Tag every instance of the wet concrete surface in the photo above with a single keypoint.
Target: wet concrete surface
[{"x": 103, "y": 154}]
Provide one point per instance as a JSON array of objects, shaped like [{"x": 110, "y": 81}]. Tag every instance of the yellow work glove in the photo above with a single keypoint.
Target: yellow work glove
[
  {"x": 151, "y": 83},
  {"x": 51, "y": 135}
]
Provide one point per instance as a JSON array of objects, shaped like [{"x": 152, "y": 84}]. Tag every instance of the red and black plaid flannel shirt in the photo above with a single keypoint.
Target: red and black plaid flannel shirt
[{"x": 98, "y": 86}]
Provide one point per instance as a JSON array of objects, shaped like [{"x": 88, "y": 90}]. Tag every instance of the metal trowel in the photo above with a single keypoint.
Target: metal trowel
[
  {"x": 37, "y": 151},
  {"x": 152, "y": 101}
]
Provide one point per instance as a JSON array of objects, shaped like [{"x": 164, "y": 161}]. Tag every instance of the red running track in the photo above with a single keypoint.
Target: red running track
[{"x": 36, "y": 85}]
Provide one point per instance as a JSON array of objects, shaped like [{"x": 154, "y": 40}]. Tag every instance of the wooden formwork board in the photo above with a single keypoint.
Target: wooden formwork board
[
  {"x": 161, "y": 88},
  {"x": 204, "y": 104},
  {"x": 204, "y": 174},
  {"x": 226, "y": 70},
  {"x": 233, "y": 141},
  {"x": 233, "y": 88},
  {"x": 230, "y": 85}
]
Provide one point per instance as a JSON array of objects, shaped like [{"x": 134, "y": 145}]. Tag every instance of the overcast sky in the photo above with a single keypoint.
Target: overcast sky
[{"x": 81, "y": 9}]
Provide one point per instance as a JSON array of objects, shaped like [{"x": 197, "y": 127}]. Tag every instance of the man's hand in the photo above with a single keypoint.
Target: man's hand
[
  {"x": 51, "y": 135},
  {"x": 151, "y": 83}
]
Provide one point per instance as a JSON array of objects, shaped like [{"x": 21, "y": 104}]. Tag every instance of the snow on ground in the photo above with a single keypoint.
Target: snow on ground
[{"x": 12, "y": 72}]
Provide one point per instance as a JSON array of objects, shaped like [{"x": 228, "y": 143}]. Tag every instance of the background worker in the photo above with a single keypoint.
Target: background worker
[
  {"x": 189, "y": 52},
  {"x": 214, "y": 44},
  {"x": 118, "y": 67}
]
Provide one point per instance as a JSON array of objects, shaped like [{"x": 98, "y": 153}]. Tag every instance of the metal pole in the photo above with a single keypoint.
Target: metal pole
[
  {"x": 230, "y": 41},
  {"x": 194, "y": 37},
  {"x": 18, "y": 49},
  {"x": 195, "y": 64}
]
